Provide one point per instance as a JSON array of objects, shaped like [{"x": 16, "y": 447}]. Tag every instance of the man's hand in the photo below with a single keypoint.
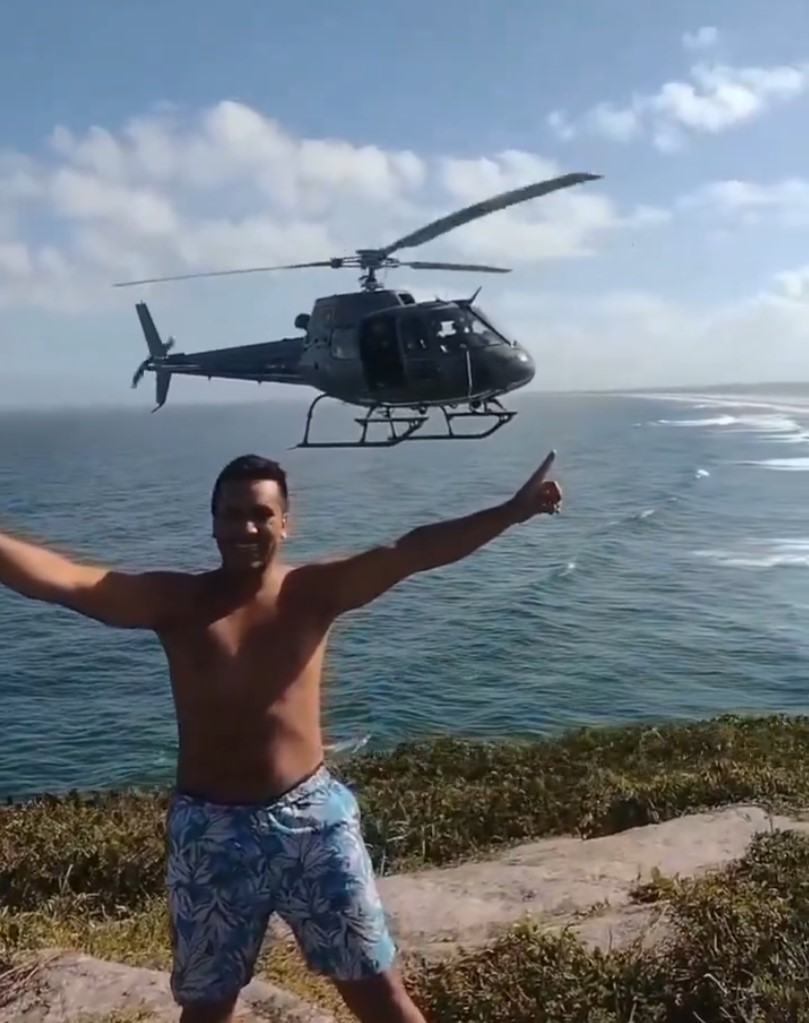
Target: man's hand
[{"x": 537, "y": 496}]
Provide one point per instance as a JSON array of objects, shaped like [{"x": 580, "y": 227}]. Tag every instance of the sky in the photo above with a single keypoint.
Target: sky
[{"x": 170, "y": 137}]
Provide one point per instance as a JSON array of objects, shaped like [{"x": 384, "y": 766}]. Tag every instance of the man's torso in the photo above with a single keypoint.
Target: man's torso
[{"x": 245, "y": 676}]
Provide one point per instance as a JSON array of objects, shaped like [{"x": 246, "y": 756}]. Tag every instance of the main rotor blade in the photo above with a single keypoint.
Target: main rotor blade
[
  {"x": 421, "y": 264},
  {"x": 486, "y": 206},
  {"x": 336, "y": 263}
]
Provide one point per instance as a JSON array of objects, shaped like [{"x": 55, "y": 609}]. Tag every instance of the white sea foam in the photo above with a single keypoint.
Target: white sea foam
[
  {"x": 716, "y": 421},
  {"x": 769, "y": 426},
  {"x": 762, "y": 554},
  {"x": 565, "y": 570},
  {"x": 789, "y": 405},
  {"x": 348, "y": 746},
  {"x": 783, "y": 464}
]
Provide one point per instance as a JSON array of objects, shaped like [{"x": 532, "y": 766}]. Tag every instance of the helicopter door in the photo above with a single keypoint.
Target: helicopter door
[
  {"x": 380, "y": 354},
  {"x": 419, "y": 354}
]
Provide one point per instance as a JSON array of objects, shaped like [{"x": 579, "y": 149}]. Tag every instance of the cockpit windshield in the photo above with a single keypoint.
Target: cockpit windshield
[{"x": 446, "y": 329}]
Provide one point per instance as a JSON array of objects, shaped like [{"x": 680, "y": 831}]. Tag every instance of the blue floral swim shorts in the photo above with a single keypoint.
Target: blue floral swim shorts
[{"x": 302, "y": 856}]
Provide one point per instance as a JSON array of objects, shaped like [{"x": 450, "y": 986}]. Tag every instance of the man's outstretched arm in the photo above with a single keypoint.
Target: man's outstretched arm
[
  {"x": 129, "y": 601},
  {"x": 352, "y": 582}
]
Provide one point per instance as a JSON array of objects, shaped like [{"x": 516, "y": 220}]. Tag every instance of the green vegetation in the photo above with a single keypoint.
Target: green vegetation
[
  {"x": 738, "y": 952},
  {"x": 87, "y": 872}
]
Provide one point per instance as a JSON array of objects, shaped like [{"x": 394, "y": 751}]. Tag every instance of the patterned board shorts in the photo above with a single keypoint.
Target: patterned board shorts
[{"x": 302, "y": 856}]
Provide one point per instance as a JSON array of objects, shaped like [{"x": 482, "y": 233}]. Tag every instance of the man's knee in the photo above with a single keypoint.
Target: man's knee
[{"x": 381, "y": 997}]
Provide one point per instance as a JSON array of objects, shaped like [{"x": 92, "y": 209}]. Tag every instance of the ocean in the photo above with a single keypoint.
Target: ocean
[{"x": 675, "y": 583}]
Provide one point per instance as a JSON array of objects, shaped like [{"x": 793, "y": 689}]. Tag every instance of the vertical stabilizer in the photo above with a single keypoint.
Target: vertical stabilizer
[{"x": 158, "y": 350}]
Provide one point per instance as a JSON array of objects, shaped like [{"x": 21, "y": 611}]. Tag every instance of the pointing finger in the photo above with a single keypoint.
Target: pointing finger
[{"x": 545, "y": 468}]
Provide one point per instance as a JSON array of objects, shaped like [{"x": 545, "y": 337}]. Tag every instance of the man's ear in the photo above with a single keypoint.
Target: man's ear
[{"x": 285, "y": 524}]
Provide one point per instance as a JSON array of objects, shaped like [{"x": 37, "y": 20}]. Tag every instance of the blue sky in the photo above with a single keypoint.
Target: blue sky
[{"x": 168, "y": 137}]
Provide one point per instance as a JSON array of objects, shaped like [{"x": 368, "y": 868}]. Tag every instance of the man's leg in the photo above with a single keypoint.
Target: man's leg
[
  {"x": 209, "y": 1012},
  {"x": 379, "y": 999},
  {"x": 218, "y": 907},
  {"x": 330, "y": 900}
]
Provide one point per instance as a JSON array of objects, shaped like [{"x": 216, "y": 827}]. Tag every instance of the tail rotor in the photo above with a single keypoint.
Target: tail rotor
[{"x": 158, "y": 350}]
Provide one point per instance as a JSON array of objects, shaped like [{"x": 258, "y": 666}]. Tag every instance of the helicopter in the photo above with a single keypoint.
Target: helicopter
[{"x": 378, "y": 348}]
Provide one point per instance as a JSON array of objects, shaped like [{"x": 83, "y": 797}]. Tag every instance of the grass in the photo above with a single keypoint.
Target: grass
[
  {"x": 87, "y": 872},
  {"x": 738, "y": 952}
]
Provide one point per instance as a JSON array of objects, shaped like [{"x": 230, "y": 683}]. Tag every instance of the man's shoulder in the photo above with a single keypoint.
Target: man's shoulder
[
  {"x": 310, "y": 573},
  {"x": 307, "y": 582},
  {"x": 179, "y": 592}
]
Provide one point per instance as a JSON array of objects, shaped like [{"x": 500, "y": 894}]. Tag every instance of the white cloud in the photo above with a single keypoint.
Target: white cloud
[
  {"x": 714, "y": 98},
  {"x": 784, "y": 202},
  {"x": 85, "y": 196},
  {"x": 793, "y": 285},
  {"x": 564, "y": 224},
  {"x": 174, "y": 192},
  {"x": 623, "y": 339},
  {"x": 703, "y": 39},
  {"x": 15, "y": 259}
]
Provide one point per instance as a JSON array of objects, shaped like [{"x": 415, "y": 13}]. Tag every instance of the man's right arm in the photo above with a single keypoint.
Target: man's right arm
[
  {"x": 126, "y": 600},
  {"x": 345, "y": 584}
]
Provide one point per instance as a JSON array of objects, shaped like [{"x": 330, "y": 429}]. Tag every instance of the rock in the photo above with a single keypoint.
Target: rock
[
  {"x": 555, "y": 881},
  {"x": 71, "y": 987},
  {"x": 583, "y": 884}
]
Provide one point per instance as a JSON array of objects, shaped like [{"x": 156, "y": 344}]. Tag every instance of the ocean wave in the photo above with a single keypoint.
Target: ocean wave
[
  {"x": 645, "y": 514},
  {"x": 792, "y": 405},
  {"x": 783, "y": 464},
  {"x": 762, "y": 554},
  {"x": 770, "y": 426},
  {"x": 716, "y": 421},
  {"x": 346, "y": 747}
]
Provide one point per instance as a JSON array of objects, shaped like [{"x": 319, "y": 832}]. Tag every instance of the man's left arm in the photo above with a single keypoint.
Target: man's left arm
[{"x": 349, "y": 583}]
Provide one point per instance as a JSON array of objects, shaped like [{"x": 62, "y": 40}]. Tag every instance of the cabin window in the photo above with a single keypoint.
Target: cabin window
[
  {"x": 414, "y": 337},
  {"x": 344, "y": 343}
]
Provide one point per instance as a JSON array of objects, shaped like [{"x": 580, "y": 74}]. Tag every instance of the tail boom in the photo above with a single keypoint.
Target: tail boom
[{"x": 268, "y": 362}]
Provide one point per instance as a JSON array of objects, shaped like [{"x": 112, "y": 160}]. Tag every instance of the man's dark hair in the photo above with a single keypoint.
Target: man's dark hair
[{"x": 251, "y": 467}]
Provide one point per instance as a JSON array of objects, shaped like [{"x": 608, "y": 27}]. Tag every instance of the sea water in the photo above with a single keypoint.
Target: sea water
[{"x": 675, "y": 584}]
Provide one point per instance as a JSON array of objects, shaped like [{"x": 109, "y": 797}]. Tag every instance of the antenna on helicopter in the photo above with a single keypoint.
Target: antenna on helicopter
[{"x": 370, "y": 261}]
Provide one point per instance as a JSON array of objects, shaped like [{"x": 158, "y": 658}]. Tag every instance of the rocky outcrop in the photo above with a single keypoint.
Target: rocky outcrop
[{"x": 584, "y": 885}]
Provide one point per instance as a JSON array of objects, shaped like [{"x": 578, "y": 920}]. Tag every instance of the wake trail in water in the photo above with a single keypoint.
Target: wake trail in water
[
  {"x": 761, "y": 554},
  {"x": 781, "y": 464}
]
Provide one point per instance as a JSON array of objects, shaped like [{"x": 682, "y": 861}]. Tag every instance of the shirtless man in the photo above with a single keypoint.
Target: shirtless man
[{"x": 257, "y": 825}]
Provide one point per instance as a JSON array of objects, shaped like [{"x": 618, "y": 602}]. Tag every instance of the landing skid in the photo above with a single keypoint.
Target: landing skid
[{"x": 410, "y": 422}]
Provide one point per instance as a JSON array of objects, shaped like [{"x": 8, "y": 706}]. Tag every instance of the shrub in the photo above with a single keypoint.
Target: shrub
[
  {"x": 738, "y": 952},
  {"x": 433, "y": 803}
]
